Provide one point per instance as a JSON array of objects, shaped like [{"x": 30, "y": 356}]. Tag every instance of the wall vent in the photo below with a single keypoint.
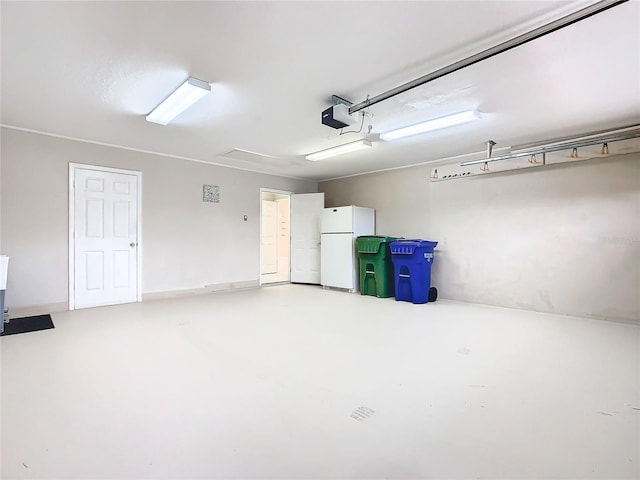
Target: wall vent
[{"x": 255, "y": 158}]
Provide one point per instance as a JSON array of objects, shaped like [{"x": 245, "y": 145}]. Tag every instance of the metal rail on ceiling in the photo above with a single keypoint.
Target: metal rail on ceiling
[
  {"x": 617, "y": 135},
  {"x": 490, "y": 52}
]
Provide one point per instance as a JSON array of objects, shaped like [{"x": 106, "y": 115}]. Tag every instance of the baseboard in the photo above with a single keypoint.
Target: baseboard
[
  {"x": 602, "y": 318},
  {"x": 219, "y": 287},
  {"x": 207, "y": 289},
  {"x": 19, "y": 312}
]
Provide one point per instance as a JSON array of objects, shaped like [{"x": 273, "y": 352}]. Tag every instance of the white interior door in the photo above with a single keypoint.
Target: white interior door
[
  {"x": 269, "y": 237},
  {"x": 306, "y": 211},
  {"x": 104, "y": 237}
]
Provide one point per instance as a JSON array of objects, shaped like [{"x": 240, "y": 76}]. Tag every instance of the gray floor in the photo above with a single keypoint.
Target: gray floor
[{"x": 296, "y": 382}]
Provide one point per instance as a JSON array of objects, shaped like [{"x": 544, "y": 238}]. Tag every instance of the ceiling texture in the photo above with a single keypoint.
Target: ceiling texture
[{"x": 93, "y": 70}]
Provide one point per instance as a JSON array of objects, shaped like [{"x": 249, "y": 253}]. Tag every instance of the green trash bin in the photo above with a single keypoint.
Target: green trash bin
[{"x": 376, "y": 267}]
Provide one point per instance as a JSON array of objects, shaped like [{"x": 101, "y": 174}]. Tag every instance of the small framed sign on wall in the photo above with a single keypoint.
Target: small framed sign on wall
[{"x": 211, "y": 193}]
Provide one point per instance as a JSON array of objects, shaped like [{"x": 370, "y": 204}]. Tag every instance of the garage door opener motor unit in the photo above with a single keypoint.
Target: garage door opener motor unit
[{"x": 338, "y": 116}]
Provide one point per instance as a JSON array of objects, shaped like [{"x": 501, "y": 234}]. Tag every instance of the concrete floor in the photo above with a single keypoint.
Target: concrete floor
[{"x": 297, "y": 382}]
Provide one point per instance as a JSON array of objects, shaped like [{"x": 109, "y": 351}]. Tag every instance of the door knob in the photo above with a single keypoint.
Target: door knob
[{"x": 132, "y": 244}]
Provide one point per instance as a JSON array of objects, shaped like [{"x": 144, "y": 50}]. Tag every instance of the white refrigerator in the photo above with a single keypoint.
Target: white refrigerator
[{"x": 339, "y": 228}]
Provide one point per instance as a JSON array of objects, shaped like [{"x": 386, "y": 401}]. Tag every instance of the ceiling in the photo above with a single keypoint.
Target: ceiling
[{"x": 93, "y": 70}]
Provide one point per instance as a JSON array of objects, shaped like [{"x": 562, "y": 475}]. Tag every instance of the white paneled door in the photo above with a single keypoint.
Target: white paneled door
[
  {"x": 104, "y": 237},
  {"x": 306, "y": 210}
]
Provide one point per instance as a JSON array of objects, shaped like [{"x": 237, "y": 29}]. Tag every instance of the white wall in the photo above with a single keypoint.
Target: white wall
[
  {"x": 187, "y": 243},
  {"x": 1, "y": 200},
  {"x": 561, "y": 239}
]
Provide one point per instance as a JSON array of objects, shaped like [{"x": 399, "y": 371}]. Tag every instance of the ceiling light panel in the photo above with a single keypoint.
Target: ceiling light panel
[
  {"x": 430, "y": 125},
  {"x": 339, "y": 150},
  {"x": 182, "y": 98}
]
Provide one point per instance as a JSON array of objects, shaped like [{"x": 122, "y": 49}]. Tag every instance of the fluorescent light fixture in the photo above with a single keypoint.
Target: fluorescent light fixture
[
  {"x": 429, "y": 125},
  {"x": 339, "y": 150},
  {"x": 182, "y": 98}
]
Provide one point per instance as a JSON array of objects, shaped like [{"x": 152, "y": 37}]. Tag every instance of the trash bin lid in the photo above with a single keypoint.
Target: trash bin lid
[
  {"x": 407, "y": 247},
  {"x": 372, "y": 243}
]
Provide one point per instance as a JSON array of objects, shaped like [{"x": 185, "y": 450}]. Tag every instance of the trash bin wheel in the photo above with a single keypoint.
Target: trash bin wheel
[{"x": 433, "y": 294}]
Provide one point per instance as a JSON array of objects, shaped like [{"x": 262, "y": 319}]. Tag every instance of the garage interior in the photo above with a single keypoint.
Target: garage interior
[{"x": 228, "y": 358}]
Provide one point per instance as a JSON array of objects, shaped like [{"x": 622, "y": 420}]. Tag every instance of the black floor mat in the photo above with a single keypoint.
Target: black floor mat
[{"x": 28, "y": 324}]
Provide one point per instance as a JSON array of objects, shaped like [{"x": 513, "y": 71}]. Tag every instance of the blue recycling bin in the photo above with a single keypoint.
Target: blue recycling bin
[{"x": 412, "y": 260}]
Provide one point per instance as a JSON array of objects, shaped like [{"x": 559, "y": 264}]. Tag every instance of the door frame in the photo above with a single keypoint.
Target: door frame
[
  {"x": 277, "y": 192},
  {"x": 72, "y": 266}
]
